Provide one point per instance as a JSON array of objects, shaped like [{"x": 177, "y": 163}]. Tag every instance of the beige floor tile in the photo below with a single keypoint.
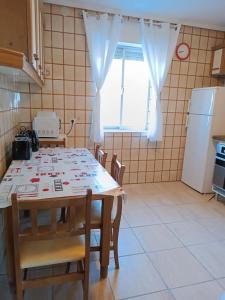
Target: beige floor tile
[
  {"x": 222, "y": 283},
  {"x": 217, "y": 204},
  {"x": 168, "y": 214},
  {"x": 141, "y": 217},
  {"x": 191, "y": 232},
  {"x": 5, "y": 292},
  {"x": 43, "y": 293},
  {"x": 156, "y": 237},
  {"x": 212, "y": 256},
  {"x": 186, "y": 212},
  {"x": 183, "y": 193},
  {"x": 128, "y": 243},
  {"x": 199, "y": 211},
  {"x": 165, "y": 295},
  {"x": 134, "y": 201},
  {"x": 68, "y": 291},
  {"x": 135, "y": 277},
  {"x": 215, "y": 225},
  {"x": 204, "y": 291},
  {"x": 158, "y": 200},
  {"x": 179, "y": 268},
  {"x": 99, "y": 288},
  {"x": 171, "y": 193},
  {"x": 123, "y": 223}
]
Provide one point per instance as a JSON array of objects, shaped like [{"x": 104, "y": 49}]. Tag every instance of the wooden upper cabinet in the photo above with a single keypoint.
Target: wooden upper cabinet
[
  {"x": 218, "y": 61},
  {"x": 40, "y": 37},
  {"x": 13, "y": 25},
  {"x": 21, "y": 27}
]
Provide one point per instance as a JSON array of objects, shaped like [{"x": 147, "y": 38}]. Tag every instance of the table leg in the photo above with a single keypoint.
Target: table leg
[
  {"x": 105, "y": 236},
  {"x": 9, "y": 245}
]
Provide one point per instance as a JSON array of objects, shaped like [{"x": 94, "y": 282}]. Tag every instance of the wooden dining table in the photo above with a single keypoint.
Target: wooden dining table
[{"x": 58, "y": 172}]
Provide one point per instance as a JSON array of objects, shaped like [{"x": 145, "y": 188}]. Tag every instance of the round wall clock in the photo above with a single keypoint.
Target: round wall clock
[{"x": 182, "y": 51}]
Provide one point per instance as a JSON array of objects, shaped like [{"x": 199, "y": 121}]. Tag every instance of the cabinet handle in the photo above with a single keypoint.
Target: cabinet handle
[{"x": 36, "y": 56}]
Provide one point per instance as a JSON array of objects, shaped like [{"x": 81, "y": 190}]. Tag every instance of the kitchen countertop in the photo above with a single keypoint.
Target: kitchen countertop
[{"x": 219, "y": 138}]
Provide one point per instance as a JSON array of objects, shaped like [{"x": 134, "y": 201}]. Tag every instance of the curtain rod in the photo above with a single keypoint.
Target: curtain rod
[{"x": 147, "y": 21}]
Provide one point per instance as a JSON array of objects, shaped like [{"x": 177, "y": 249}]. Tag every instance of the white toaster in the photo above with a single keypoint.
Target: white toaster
[{"x": 47, "y": 124}]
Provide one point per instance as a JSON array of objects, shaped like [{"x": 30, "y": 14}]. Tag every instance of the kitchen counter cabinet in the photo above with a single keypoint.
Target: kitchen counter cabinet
[{"x": 218, "y": 61}]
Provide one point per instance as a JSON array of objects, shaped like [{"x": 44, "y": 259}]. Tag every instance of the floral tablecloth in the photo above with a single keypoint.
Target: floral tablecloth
[{"x": 56, "y": 172}]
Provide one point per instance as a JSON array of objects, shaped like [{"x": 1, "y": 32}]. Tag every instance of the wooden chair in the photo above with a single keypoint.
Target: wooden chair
[
  {"x": 100, "y": 155},
  {"x": 117, "y": 172},
  {"x": 52, "y": 244}
]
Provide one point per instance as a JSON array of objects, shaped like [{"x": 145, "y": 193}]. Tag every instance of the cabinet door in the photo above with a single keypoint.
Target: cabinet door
[
  {"x": 13, "y": 25},
  {"x": 34, "y": 33},
  {"x": 217, "y": 59},
  {"x": 39, "y": 24}
]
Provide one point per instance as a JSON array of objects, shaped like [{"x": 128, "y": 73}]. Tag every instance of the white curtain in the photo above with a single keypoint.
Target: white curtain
[
  {"x": 158, "y": 43},
  {"x": 103, "y": 33}
]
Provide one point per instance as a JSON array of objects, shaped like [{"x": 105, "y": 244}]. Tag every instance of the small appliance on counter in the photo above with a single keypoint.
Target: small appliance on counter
[
  {"x": 34, "y": 140},
  {"x": 25, "y": 142},
  {"x": 21, "y": 148},
  {"x": 47, "y": 124}
]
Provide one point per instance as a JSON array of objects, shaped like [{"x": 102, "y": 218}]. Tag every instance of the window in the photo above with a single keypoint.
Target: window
[{"x": 125, "y": 94}]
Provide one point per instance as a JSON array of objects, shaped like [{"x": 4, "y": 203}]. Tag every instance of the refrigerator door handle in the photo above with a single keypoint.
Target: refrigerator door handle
[
  {"x": 187, "y": 119},
  {"x": 187, "y": 115},
  {"x": 189, "y": 104}
]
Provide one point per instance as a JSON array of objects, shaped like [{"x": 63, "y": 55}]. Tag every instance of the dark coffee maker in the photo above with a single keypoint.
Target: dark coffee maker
[{"x": 25, "y": 142}]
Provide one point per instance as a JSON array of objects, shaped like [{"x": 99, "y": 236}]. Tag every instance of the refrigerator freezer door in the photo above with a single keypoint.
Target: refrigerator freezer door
[
  {"x": 196, "y": 156},
  {"x": 202, "y": 101}
]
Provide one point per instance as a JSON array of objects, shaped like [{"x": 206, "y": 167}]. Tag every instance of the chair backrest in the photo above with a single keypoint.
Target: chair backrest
[
  {"x": 55, "y": 229},
  {"x": 100, "y": 155},
  {"x": 117, "y": 170}
]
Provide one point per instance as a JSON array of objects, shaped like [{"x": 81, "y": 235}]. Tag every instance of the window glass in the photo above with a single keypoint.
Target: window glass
[{"x": 125, "y": 92}]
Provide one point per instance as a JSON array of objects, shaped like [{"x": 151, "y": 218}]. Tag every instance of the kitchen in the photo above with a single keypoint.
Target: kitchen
[{"x": 161, "y": 216}]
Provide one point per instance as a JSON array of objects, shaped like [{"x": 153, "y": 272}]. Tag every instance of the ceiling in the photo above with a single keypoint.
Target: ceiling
[{"x": 201, "y": 13}]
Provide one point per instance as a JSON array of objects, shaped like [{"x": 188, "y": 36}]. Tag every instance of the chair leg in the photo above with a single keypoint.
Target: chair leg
[
  {"x": 63, "y": 215},
  {"x": 116, "y": 228},
  {"x": 86, "y": 282},
  {"x": 25, "y": 274},
  {"x": 19, "y": 289},
  {"x": 80, "y": 266},
  {"x": 115, "y": 245},
  {"x": 19, "y": 294},
  {"x": 67, "y": 267},
  {"x": 100, "y": 244}
]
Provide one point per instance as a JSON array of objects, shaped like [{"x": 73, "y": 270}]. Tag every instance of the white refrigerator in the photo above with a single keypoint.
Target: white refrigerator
[{"x": 205, "y": 119}]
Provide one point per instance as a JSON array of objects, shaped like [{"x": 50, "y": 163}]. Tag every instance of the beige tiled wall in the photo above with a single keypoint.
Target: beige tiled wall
[
  {"x": 69, "y": 91},
  {"x": 9, "y": 102}
]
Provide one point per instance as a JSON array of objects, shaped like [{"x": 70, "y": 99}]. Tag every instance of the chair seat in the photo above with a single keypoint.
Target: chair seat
[
  {"x": 96, "y": 209},
  {"x": 49, "y": 252}
]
